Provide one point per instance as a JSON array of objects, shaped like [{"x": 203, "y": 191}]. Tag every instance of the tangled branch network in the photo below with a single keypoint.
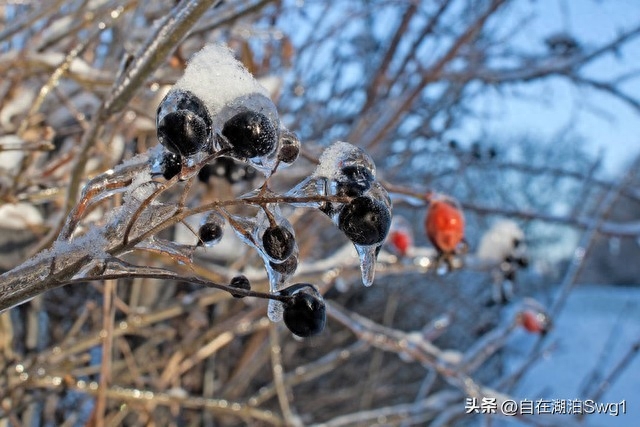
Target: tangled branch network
[{"x": 216, "y": 111}]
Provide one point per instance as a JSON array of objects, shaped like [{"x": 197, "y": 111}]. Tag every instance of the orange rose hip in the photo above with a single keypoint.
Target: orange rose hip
[{"x": 445, "y": 225}]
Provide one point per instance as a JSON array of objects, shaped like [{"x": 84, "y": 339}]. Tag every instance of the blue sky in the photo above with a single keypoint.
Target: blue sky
[{"x": 547, "y": 107}]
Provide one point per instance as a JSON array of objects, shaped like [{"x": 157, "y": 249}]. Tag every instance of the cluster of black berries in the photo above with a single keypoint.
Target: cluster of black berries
[
  {"x": 233, "y": 135},
  {"x": 184, "y": 127}
]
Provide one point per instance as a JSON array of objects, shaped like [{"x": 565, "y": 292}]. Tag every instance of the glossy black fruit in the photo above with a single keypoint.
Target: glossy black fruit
[
  {"x": 171, "y": 164},
  {"x": 278, "y": 242},
  {"x": 365, "y": 221},
  {"x": 186, "y": 127},
  {"x": 354, "y": 181},
  {"x": 240, "y": 282},
  {"x": 289, "y": 147},
  {"x": 304, "y": 313},
  {"x": 250, "y": 134},
  {"x": 210, "y": 233}
]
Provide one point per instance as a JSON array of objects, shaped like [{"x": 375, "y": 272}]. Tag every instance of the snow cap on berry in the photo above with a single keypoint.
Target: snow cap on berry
[
  {"x": 341, "y": 155},
  {"x": 225, "y": 86}
]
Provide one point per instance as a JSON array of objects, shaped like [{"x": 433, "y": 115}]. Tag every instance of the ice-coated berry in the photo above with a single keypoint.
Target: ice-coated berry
[
  {"x": 182, "y": 132},
  {"x": 289, "y": 147},
  {"x": 210, "y": 233},
  {"x": 286, "y": 267},
  {"x": 250, "y": 134},
  {"x": 278, "y": 242},
  {"x": 183, "y": 123},
  {"x": 365, "y": 221},
  {"x": 304, "y": 313},
  {"x": 240, "y": 282},
  {"x": 171, "y": 164},
  {"x": 354, "y": 180}
]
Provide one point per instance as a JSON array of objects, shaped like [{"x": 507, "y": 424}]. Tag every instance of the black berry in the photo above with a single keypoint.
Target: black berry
[
  {"x": 182, "y": 132},
  {"x": 357, "y": 173},
  {"x": 210, "y": 233},
  {"x": 240, "y": 282},
  {"x": 286, "y": 267},
  {"x": 171, "y": 164},
  {"x": 289, "y": 147},
  {"x": 365, "y": 221},
  {"x": 304, "y": 313},
  {"x": 278, "y": 242},
  {"x": 354, "y": 181},
  {"x": 186, "y": 127},
  {"x": 250, "y": 134}
]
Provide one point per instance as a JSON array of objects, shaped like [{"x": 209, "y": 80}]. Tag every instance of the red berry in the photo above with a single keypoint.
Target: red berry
[
  {"x": 445, "y": 225},
  {"x": 400, "y": 240},
  {"x": 534, "y": 322}
]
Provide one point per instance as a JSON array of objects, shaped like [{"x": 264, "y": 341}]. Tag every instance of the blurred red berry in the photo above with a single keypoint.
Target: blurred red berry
[
  {"x": 445, "y": 225},
  {"x": 534, "y": 322},
  {"x": 401, "y": 241}
]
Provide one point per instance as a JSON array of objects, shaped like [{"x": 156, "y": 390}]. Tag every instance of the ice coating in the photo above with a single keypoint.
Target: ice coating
[
  {"x": 339, "y": 155},
  {"x": 341, "y": 165},
  {"x": 250, "y": 231},
  {"x": 347, "y": 170},
  {"x": 225, "y": 85},
  {"x": 211, "y": 229},
  {"x": 368, "y": 253},
  {"x": 276, "y": 270}
]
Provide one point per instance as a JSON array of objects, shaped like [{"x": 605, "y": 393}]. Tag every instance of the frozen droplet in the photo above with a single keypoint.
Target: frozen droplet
[
  {"x": 367, "y": 255},
  {"x": 310, "y": 187}
]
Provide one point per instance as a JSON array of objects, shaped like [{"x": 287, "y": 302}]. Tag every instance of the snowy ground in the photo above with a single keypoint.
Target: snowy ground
[{"x": 595, "y": 330}]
